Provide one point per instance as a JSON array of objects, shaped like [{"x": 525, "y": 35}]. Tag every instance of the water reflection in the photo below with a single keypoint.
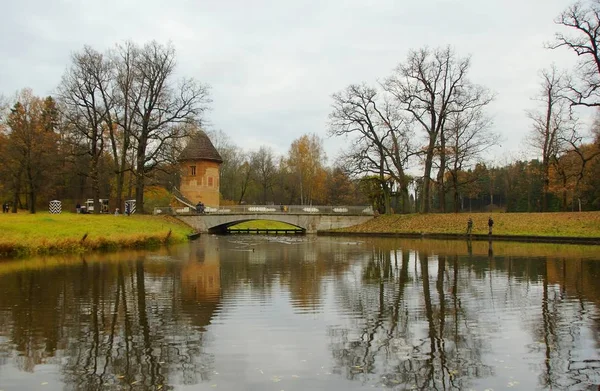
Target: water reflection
[{"x": 304, "y": 313}]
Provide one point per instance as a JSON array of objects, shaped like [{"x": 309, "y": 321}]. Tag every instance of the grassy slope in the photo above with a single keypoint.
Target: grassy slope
[
  {"x": 24, "y": 233},
  {"x": 584, "y": 224}
]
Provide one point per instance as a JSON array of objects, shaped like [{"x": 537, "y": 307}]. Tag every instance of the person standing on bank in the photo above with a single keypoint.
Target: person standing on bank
[
  {"x": 490, "y": 225},
  {"x": 469, "y": 226}
]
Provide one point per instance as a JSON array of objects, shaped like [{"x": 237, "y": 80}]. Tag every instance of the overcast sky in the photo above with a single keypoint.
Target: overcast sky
[{"x": 273, "y": 65}]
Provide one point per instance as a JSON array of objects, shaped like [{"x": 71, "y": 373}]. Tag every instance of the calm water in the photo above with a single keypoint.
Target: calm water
[{"x": 306, "y": 313}]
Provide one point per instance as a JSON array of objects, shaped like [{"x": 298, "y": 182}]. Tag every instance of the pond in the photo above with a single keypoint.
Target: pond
[{"x": 304, "y": 313}]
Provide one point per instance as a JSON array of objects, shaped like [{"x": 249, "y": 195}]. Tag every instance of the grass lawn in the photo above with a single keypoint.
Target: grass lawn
[
  {"x": 570, "y": 224},
  {"x": 41, "y": 233}
]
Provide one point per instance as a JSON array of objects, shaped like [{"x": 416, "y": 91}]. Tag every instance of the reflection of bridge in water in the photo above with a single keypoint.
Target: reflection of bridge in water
[{"x": 308, "y": 218}]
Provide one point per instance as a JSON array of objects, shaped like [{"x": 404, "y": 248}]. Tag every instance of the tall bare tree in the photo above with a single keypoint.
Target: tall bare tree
[
  {"x": 124, "y": 62},
  {"x": 381, "y": 142},
  {"x": 582, "y": 20},
  {"x": 553, "y": 126},
  {"x": 429, "y": 86},
  {"x": 84, "y": 95},
  {"x": 353, "y": 114},
  {"x": 158, "y": 103}
]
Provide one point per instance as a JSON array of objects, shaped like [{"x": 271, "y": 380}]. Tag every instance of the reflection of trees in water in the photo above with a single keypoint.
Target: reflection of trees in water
[
  {"x": 301, "y": 266},
  {"x": 395, "y": 307},
  {"x": 406, "y": 320},
  {"x": 412, "y": 326},
  {"x": 105, "y": 325},
  {"x": 558, "y": 330}
]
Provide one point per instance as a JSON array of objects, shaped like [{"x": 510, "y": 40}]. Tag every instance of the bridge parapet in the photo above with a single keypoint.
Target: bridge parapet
[{"x": 270, "y": 209}]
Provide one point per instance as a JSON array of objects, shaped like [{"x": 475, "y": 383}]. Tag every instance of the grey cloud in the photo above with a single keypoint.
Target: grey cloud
[{"x": 273, "y": 65}]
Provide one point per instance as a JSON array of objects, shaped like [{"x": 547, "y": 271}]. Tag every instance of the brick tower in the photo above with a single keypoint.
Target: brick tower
[{"x": 199, "y": 163}]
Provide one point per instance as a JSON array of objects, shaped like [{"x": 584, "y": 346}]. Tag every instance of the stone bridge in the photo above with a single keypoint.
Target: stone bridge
[{"x": 309, "y": 218}]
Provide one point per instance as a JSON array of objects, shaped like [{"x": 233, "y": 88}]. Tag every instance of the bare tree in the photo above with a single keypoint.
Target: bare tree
[
  {"x": 157, "y": 105},
  {"x": 430, "y": 86},
  {"x": 583, "y": 21},
  {"x": 86, "y": 106},
  {"x": 233, "y": 181},
  {"x": 468, "y": 136},
  {"x": 124, "y": 62},
  {"x": 399, "y": 148},
  {"x": 354, "y": 114},
  {"x": 264, "y": 170},
  {"x": 553, "y": 125}
]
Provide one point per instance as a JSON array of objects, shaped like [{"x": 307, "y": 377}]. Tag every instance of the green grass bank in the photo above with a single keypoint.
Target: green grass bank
[
  {"x": 43, "y": 233},
  {"x": 532, "y": 225}
]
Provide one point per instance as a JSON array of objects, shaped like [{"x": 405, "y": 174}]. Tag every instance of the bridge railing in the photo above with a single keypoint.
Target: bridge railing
[{"x": 270, "y": 209}]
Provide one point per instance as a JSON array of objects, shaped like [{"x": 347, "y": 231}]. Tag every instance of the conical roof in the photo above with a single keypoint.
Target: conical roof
[{"x": 200, "y": 147}]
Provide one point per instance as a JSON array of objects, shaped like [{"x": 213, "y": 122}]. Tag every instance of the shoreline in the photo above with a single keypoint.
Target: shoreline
[
  {"x": 553, "y": 227},
  {"x": 42, "y": 234},
  {"x": 473, "y": 237}
]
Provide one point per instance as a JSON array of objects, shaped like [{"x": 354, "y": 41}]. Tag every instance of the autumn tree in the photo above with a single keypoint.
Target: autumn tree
[
  {"x": 31, "y": 145},
  {"x": 4, "y": 172},
  {"x": 287, "y": 189},
  {"x": 430, "y": 86},
  {"x": 572, "y": 177},
  {"x": 306, "y": 160},
  {"x": 341, "y": 188}
]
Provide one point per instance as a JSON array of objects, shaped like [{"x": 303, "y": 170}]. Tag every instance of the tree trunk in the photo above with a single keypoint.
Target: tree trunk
[
  {"x": 426, "y": 199},
  {"x": 405, "y": 200},
  {"x": 17, "y": 190},
  {"x": 121, "y": 177},
  {"x": 139, "y": 190},
  {"x": 441, "y": 174},
  {"x": 15, "y": 200},
  {"x": 140, "y": 175},
  {"x": 95, "y": 184},
  {"x": 33, "y": 198},
  {"x": 32, "y": 191},
  {"x": 455, "y": 196},
  {"x": 546, "y": 171}
]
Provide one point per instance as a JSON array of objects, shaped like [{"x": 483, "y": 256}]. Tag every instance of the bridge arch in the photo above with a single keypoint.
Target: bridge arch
[
  {"x": 222, "y": 228},
  {"x": 311, "y": 223}
]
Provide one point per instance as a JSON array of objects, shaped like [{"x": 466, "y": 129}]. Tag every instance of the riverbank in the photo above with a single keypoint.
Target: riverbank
[
  {"x": 43, "y": 233},
  {"x": 575, "y": 227}
]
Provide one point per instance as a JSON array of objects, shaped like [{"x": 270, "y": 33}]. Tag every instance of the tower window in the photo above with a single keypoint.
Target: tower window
[
  {"x": 192, "y": 170},
  {"x": 210, "y": 181}
]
